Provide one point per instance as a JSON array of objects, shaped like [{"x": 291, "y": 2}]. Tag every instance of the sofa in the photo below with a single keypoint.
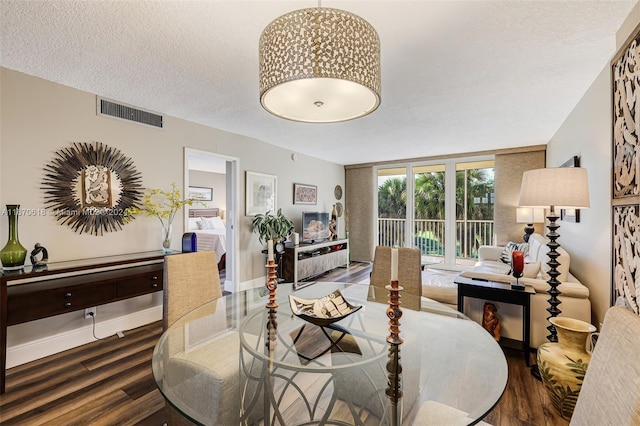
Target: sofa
[{"x": 574, "y": 296}]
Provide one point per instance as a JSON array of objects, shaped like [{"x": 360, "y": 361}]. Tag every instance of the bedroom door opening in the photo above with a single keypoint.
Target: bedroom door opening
[{"x": 214, "y": 177}]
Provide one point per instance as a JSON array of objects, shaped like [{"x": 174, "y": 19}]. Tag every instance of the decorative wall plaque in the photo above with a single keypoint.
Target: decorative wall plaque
[
  {"x": 88, "y": 187},
  {"x": 626, "y": 255},
  {"x": 625, "y": 202},
  {"x": 626, "y": 119}
]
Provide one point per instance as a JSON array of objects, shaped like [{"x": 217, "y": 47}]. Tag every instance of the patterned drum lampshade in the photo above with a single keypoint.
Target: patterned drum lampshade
[{"x": 319, "y": 65}]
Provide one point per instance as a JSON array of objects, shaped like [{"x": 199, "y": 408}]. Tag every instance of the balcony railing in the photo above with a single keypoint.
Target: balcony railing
[{"x": 429, "y": 235}]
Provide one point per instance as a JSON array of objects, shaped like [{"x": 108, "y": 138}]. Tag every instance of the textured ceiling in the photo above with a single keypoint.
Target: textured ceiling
[{"x": 457, "y": 76}]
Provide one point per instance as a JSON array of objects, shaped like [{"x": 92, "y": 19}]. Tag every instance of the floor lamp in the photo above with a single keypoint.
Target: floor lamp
[{"x": 564, "y": 187}]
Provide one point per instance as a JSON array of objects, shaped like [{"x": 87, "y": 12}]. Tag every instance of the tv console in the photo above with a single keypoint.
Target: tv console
[
  {"x": 62, "y": 287},
  {"x": 306, "y": 260}
]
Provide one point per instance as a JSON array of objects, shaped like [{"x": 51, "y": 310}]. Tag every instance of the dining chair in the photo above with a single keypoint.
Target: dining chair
[
  {"x": 190, "y": 281},
  {"x": 409, "y": 271},
  {"x": 610, "y": 393}
]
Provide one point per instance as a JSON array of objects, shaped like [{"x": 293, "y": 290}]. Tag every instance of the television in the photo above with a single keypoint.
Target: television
[{"x": 315, "y": 227}]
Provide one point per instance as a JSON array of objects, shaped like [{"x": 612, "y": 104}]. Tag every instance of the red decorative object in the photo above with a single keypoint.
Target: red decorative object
[{"x": 517, "y": 265}]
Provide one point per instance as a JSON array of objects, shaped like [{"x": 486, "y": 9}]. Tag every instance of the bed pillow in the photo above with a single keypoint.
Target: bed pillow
[
  {"x": 505, "y": 256},
  {"x": 210, "y": 223},
  {"x": 193, "y": 223},
  {"x": 217, "y": 223},
  {"x": 204, "y": 224}
]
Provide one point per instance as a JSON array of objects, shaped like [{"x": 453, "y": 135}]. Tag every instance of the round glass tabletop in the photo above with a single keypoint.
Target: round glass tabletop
[{"x": 233, "y": 361}]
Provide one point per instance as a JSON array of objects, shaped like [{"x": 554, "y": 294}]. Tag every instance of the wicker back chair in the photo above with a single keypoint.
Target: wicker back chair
[
  {"x": 190, "y": 280},
  {"x": 409, "y": 271}
]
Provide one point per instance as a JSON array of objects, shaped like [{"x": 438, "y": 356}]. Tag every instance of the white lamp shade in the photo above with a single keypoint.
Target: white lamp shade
[
  {"x": 562, "y": 187},
  {"x": 529, "y": 215}
]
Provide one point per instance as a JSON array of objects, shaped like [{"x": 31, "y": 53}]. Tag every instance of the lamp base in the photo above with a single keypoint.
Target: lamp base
[
  {"x": 535, "y": 372},
  {"x": 528, "y": 230},
  {"x": 553, "y": 272}
]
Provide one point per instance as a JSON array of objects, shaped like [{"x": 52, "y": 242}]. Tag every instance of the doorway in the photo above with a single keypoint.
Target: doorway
[{"x": 219, "y": 175}]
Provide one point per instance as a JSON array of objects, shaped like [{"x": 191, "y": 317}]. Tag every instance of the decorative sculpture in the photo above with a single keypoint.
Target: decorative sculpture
[
  {"x": 272, "y": 284},
  {"x": 490, "y": 320},
  {"x": 39, "y": 249},
  {"x": 89, "y": 186},
  {"x": 394, "y": 312}
]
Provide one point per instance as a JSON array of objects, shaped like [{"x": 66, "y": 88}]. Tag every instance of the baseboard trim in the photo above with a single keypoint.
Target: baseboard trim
[
  {"x": 40, "y": 348},
  {"x": 254, "y": 283}
]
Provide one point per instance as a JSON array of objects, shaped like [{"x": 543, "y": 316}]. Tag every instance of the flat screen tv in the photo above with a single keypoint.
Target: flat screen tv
[{"x": 315, "y": 227}]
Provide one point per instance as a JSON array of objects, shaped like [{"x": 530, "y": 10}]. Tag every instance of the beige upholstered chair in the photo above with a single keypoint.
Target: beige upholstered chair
[
  {"x": 610, "y": 393},
  {"x": 409, "y": 271},
  {"x": 190, "y": 280}
]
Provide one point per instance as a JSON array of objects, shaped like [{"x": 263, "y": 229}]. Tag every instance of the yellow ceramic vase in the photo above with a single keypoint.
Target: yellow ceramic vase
[{"x": 563, "y": 365}]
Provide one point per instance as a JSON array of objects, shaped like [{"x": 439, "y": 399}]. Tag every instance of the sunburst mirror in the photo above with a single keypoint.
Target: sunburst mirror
[{"x": 90, "y": 185}]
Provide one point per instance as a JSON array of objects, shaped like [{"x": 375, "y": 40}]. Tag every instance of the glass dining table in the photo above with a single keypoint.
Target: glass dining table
[{"x": 234, "y": 361}]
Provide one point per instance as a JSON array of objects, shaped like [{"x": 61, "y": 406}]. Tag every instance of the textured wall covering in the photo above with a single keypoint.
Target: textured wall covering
[
  {"x": 508, "y": 178},
  {"x": 360, "y": 190},
  {"x": 626, "y": 173}
]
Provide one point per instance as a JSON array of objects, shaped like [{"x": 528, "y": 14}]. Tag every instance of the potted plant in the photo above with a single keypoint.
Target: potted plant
[
  {"x": 164, "y": 205},
  {"x": 276, "y": 227}
]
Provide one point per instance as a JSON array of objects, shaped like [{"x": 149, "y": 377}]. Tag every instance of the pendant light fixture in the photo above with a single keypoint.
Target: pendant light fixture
[{"x": 319, "y": 65}]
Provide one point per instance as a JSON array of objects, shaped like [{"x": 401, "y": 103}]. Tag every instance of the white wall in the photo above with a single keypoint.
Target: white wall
[
  {"x": 587, "y": 133},
  {"x": 39, "y": 117}
]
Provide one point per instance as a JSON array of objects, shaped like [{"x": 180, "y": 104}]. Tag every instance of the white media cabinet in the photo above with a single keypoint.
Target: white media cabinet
[{"x": 305, "y": 261}]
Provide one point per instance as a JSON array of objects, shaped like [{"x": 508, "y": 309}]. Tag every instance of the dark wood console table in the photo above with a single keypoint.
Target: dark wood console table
[
  {"x": 31, "y": 294},
  {"x": 499, "y": 292}
]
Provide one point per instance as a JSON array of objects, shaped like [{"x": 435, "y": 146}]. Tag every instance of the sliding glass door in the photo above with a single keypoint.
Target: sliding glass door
[
  {"x": 429, "y": 212},
  {"x": 443, "y": 208},
  {"x": 474, "y": 208},
  {"x": 392, "y": 207}
]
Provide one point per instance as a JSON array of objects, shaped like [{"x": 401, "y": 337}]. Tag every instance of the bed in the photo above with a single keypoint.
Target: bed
[{"x": 210, "y": 231}]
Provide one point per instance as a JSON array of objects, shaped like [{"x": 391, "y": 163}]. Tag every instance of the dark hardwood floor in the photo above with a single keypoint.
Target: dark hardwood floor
[{"x": 109, "y": 382}]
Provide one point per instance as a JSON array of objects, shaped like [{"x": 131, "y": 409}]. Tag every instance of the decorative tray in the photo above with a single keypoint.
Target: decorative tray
[{"x": 324, "y": 311}]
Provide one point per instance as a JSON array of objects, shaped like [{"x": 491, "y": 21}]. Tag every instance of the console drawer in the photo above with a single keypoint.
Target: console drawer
[
  {"x": 28, "y": 306},
  {"x": 137, "y": 285}
]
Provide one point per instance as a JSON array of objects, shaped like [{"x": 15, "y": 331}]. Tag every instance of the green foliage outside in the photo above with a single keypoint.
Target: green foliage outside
[{"x": 430, "y": 204}]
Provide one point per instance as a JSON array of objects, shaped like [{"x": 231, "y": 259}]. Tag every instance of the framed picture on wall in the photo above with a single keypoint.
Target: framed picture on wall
[
  {"x": 571, "y": 215},
  {"x": 201, "y": 193},
  {"x": 305, "y": 194},
  {"x": 260, "y": 194}
]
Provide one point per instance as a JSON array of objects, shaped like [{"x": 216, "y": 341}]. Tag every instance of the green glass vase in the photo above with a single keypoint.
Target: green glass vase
[{"x": 13, "y": 253}]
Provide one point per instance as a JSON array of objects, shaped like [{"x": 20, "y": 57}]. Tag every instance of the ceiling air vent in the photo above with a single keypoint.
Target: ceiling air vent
[{"x": 129, "y": 113}]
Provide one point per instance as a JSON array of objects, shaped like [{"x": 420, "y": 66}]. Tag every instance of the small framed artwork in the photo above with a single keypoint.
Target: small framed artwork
[
  {"x": 571, "y": 215},
  {"x": 201, "y": 193},
  {"x": 305, "y": 194},
  {"x": 260, "y": 194}
]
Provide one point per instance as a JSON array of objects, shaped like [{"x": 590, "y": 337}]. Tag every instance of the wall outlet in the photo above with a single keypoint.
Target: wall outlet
[{"x": 88, "y": 312}]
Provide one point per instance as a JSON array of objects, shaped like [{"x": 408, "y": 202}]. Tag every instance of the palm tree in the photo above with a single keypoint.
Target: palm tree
[
  {"x": 473, "y": 185},
  {"x": 392, "y": 198},
  {"x": 477, "y": 185}
]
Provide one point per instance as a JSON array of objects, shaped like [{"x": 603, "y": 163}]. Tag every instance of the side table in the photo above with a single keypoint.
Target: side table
[{"x": 499, "y": 292}]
